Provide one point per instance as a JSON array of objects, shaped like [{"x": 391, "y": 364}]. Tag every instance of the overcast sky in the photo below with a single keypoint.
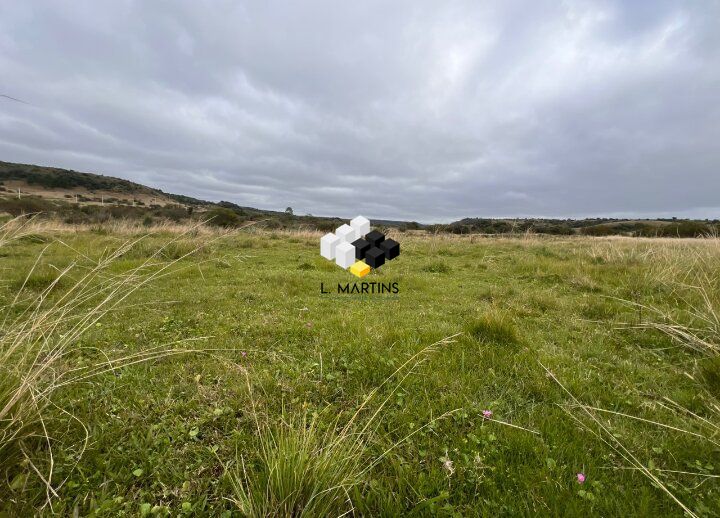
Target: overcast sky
[{"x": 427, "y": 111}]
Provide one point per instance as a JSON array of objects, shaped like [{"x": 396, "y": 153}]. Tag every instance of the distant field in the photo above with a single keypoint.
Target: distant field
[{"x": 623, "y": 403}]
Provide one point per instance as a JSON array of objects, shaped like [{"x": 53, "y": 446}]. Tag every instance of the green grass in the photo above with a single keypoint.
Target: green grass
[
  {"x": 493, "y": 329},
  {"x": 301, "y": 470},
  {"x": 170, "y": 436}
]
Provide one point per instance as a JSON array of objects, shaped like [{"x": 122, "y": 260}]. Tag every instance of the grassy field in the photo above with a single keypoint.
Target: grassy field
[{"x": 230, "y": 385}]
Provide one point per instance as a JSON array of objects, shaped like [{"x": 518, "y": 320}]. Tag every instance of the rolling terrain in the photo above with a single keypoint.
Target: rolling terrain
[{"x": 63, "y": 193}]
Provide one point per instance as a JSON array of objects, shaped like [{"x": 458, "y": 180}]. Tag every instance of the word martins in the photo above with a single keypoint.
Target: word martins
[{"x": 365, "y": 288}]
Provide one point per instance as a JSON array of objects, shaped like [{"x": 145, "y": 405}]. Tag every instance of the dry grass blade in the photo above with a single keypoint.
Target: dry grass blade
[
  {"x": 649, "y": 421},
  {"x": 16, "y": 228},
  {"x": 39, "y": 333},
  {"x": 688, "y": 271},
  {"x": 309, "y": 470},
  {"x": 607, "y": 437},
  {"x": 703, "y": 336}
]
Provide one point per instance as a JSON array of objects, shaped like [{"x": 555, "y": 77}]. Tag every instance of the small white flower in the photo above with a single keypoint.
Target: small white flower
[{"x": 447, "y": 464}]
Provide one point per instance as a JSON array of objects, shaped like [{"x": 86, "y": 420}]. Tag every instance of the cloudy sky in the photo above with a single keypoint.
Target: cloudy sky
[{"x": 428, "y": 111}]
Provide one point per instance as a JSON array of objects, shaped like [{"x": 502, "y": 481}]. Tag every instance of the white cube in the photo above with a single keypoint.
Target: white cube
[
  {"x": 361, "y": 225},
  {"x": 328, "y": 243},
  {"x": 345, "y": 255},
  {"x": 345, "y": 233}
]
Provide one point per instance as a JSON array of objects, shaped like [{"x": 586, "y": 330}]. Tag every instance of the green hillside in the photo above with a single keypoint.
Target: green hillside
[{"x": 56, "y": 178}]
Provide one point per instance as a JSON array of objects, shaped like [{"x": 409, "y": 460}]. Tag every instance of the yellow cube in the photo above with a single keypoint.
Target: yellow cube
[{"x": 360, "y": 269}]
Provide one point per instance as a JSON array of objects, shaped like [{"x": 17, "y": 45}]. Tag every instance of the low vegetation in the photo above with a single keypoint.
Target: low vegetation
[
  {"x": 590, "y": 227},
  {"x": 581, "y": 377}
]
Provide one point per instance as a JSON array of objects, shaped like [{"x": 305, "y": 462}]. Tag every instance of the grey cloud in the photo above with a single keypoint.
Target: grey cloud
[{"x": 413, "y": 110}]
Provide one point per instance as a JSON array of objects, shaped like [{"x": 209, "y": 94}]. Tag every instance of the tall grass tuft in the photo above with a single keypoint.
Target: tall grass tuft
[
  {"x": 691, "y": 273},
  {"x": 16, "y": 228},
  {"x": 40, "y": 330},
  {"x": 305, "y": 469},
  {"x": 493, "y": 328},
  {"x": 688, "y": 270},
  {"x": 695, "y": 324}
]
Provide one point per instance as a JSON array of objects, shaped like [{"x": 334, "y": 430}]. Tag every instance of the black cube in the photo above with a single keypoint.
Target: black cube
[
  {"x": 361, "y": 247},
  {"x": 391, "y": 248},
  {"x": 374, "y": 257},
  {"x": 375, "y": 238}
]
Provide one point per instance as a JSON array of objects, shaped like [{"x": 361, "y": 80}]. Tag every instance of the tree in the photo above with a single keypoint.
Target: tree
[{"x": 289, "y": 211}]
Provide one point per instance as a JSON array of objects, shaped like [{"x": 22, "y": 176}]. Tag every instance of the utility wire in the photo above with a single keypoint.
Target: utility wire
[{"x": 14, "y": 99}]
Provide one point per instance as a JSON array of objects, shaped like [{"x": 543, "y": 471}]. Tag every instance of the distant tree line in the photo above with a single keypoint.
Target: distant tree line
[
  {"x": 590, "y": 227},
  {"x": 229, "y": 215}
]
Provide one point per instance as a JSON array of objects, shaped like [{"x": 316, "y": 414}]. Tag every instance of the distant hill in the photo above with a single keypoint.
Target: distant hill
[
  {"x": 93, "y": 198},
  {"x": 45, "y": 181}
]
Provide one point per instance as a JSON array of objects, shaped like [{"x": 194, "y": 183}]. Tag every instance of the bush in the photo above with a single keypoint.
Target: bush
[
  {"x": 221, "y": 217},
  {"x": 686, "y": 229},
  {"x": 76, "y": 217},
  {"x": 599, "y": 230},
  {"x": 174, "y": 213},
  {"x": 232, "y": 206},
  {"x": 272, "y": 224},
  {"x": 22, "y": 206}
]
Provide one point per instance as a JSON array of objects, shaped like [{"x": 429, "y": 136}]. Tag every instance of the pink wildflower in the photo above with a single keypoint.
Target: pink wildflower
[
  {"x": 581, "y": 478},
  {"x": 487, "y": 414}
]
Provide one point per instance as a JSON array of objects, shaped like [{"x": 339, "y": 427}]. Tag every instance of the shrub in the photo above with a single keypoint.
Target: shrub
[
  {"x": 685, "y": 229},
  {"x": 221, "y": 217},
  {"x": 76, "y": 217},
  {"x": 598, "y": 230},
  {"x": 232, "y": 206},
  {"x": 174, "y": 213},
  {"x": 22, "y": 206}
]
